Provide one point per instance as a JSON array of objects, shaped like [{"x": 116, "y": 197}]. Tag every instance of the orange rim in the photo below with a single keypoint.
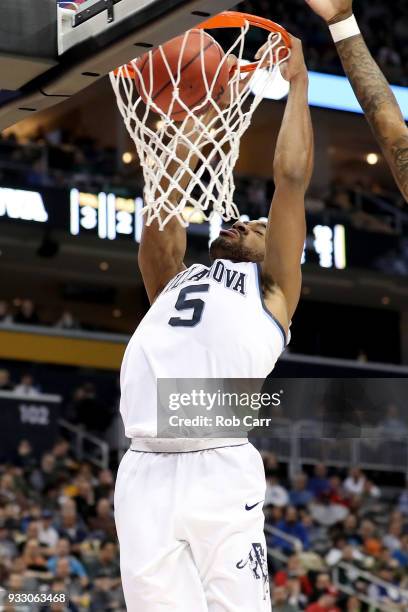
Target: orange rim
[{"x": 234, "y": 19}]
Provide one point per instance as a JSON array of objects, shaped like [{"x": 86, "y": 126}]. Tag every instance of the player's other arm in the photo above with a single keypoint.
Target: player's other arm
[
  {"x": 372, "y": 90},
  {"x": 161, "y": 253},
  {"x": 293, "y": 165}
]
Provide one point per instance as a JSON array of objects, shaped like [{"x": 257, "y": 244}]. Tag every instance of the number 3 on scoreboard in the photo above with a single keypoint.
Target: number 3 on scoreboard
[{"x": 186, "y": 303}]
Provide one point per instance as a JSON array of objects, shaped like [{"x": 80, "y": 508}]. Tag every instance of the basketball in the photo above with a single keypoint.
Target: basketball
[{"x": 197, "y": 59}]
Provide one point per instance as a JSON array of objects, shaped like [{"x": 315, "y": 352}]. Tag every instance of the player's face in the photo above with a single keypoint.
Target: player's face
[{"x": 241, "y": 242}]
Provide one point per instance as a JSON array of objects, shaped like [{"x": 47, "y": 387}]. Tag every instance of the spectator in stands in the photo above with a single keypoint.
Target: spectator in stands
[
  {"x": 273, "y": 514},
  {"x": 12, "y": 516},
  {"x": 353, "y": 604},
  {"x": 35, "y": 560},
  {"x": 8, "y": 548},
  {"x": 349, "y": 530},
  {"x": 392, "y": 539},
  {"x": 393, "y": 426},
  {"x": 271, "y": 464},
  {"x": 88, "y": 409},
  {"x": 300, "y": 495},
  {"x": 328, "y": 513},
  {"x": 403, "y": 500},
  {"x": 8, "y": 488},
  {"x": 341, "y": 551},
  {"x": 370, "y": 541},
  {"x": 46, "y": 475},
  {"x": 105, "y": 486},
  {"x": 5, "y": 381},
  {"x": 280, "y": 601},
  {"x": 106, "y": 564},
  {"x": 85, "y": 497},
  {"x": 62, "y": 455},
  {"x": 319, "y": 483},
  {"x": 355, "y": 482},
  {"x": 26, "y": 386},
  {"x": 85, "y": 470},
  {"x": 67, "y": 321},
  {"x": 103, "y": 523},
  {"x": 32, "y": 529},
  {"x": 71, "y": 526},
  {"x": 275, "y": 495},
  {"x": 293, "y": 527},
  {"x": 74, "y": 586},
  {"x": 63, "y": 552},
  {"x": 326, "y": 603},
  {"x": 57, "y": 587},
  {"x": 5, "y": 316},
  {"x": 25, "y": 457},
  {"x": 401, "y": 554},
  {"x": 30, "y": 582},
  {"x": 27, "y": 314},
  {"x": 104, "y": 597},
  {"x": 370, "y": 492},
  {"x": 322, "y": 586},
  {"x": 48, "y": 535},
  {"x": 294, "y": 570},
  {"x": 30, "y": 522},
  {"x": 336, "y": 492},
  {"x": 18, "y": 583}
]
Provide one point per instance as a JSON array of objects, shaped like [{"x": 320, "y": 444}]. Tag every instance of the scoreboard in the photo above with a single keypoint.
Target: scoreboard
[
  {"x": 114, "y": 217},
  {"x": 105, "y": 214}
]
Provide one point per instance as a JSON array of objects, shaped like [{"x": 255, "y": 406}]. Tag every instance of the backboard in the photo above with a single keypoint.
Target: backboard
[{"x": 50, "y": 52}]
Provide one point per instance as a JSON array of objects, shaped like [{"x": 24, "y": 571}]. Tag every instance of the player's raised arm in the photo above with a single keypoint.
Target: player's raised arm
[
  {"x": 293, "y": 165},
  {"x": 161, "y": 253},
  {"x": 370, "y": 86}
]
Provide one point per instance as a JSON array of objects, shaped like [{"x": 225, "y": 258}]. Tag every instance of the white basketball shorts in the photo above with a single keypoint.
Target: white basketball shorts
[{"x": 190, "y": 528}]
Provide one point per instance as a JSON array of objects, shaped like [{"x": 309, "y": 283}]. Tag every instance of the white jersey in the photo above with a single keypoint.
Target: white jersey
[{"x": 208, "y": 322}]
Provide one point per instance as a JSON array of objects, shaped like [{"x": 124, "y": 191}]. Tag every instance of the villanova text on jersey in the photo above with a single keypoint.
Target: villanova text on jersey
[{"x": 219, "y": 272}]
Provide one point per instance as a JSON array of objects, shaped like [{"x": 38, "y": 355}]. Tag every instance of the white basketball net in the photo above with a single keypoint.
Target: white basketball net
[{"x": 215, "y": 141}]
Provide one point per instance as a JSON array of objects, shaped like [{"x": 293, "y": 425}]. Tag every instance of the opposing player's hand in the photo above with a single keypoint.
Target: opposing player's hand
[
  {"x": 332, "y": 10},
  {"x": 294, "y": 66}
]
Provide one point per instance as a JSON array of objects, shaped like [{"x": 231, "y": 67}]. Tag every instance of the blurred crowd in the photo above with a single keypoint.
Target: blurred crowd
[
  {"x": 25, "y": 387},
  {"x": 363, "y": 204},
  {"x": 335, "y": 539},
  {"x": 384, "y": 25},
  {"x": 57, "y": 531},
  {"x": 60, "y": 158},
  {"x": 26, "y": 312},
  {"x": 336, "y": 533}
]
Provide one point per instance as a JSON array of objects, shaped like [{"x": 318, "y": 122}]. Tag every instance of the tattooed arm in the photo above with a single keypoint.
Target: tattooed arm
[{"x": 372, "y": 90}]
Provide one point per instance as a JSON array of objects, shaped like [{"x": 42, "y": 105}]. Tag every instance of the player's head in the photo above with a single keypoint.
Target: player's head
[{"x": 244, "y": 241}]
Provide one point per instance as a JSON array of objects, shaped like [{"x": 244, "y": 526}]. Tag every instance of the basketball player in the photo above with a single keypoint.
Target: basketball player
[
  {"x": 369, "y": 84},
  {"x": 189, "y": 511}
]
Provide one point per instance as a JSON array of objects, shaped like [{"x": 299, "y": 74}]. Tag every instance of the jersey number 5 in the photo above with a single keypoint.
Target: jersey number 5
[{"x": 185, "y": 303}]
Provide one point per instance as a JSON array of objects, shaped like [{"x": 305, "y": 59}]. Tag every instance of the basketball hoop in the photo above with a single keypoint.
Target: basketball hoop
[{"x": 212, "y": 137}]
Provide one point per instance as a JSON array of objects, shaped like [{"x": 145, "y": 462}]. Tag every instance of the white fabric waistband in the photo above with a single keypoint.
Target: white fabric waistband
[{"x": 182, "y": 445}]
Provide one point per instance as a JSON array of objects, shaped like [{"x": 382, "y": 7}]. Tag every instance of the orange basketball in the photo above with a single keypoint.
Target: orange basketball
[{"x": 196, "y": 69}]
